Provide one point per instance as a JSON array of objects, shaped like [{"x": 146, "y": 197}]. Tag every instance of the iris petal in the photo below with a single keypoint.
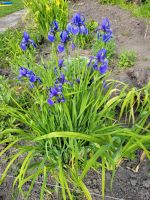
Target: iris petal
[
  {"x": 61, "y": 48},
  {"x": 50, "y": 102},
  {"x": 23, "y": 46},
  {"x": 75, "y": 30},
  {"x": 104, "y": 67},
  {"x": 51, "y": 37},
  {"x": 26, "y": 36},
  {"x": 32, "y": 79}
]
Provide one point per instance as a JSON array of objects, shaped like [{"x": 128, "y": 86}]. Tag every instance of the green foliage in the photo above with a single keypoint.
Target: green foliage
[
  {"x": 10, "y": 50},
  {"x": 5, "y": 92},
  {"x": 96, "y": 127},
  {"x": 127, "y": 59},
  {"x": 9, "y": 46},
  {"x": 109, "y": 46},
  {"x": 86, "y": 41},
  {"x": 59, "y": 140},
  {"x": 137, "y": 10},
  {"x": 45, "y": 11},
  {"x": 16, "y": 5}
]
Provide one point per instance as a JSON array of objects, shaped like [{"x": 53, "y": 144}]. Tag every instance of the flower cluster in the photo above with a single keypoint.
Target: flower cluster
[
  {"x": 53, "y": 30},
  {"x": 56, "y": 92},
  {"x": 24, "y": 72},
  {"x": 77, "y": 26},
  {"x": 106, "y": 30},
  {"x": 64, "y": 38},
  {"x": 26, "y": 42},
  {"x": 55, "y": 95},
  {"x": 99, "y": 62}
]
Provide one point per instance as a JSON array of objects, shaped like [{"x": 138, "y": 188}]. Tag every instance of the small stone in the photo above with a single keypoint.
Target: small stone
[
  {"x": 94, "y": 181},
  {"x": 96, "y": 191},
  {"x": 133, "y": 182},
  {"x": 146, "y": 183},
  {"x": 88, "y": 183}
]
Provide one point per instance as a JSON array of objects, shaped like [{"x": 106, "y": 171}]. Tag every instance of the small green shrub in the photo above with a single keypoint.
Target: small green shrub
[{"x": 127, "y": 59}]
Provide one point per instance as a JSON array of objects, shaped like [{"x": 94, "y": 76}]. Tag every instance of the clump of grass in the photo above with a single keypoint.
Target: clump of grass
[{"x": 127, "y": 59}]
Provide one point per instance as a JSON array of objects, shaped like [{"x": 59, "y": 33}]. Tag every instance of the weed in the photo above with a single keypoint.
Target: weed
[{"x": 127, "y": 59}]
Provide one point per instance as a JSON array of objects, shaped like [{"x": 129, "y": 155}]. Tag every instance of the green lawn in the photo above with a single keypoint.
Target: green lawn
[{"x": 5, "y": 10}]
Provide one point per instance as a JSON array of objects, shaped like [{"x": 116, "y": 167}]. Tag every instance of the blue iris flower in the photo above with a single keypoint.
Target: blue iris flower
[
  {"x": 26, "y": 42},
  {"x": 23, "y": 72},
  {"x": 53, "y": 29},
  {"x": 77, "y": 25},
  {"x": 101, "y": 55},
  {"x": 64, "y": 38},
  {"x": 55, "y": 95},
  {"x": 104, "y": 67},
  {"x": 60, "y": 63},
  {"x": 105, "y": 26},
  {"x": 107, "y": 33},
  {"x": 99, "y": 62}
]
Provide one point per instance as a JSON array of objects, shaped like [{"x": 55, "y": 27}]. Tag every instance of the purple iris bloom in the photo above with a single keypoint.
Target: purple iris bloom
[
  {"x": 95, "y": 65},
  {"x": 50, "y": 102},
  {"x": 62, "y": 79},
  {"x": 55, "y": 95},
  {"x": 107, "y": 36},
  {"x": 60, "y": 63},
  {"x": 55, "y": 91},
  {"x": 26, "y": 42},
  {"x": 104, "y": 67},
  {"x": 78, "y": 19},
  {"x": 61, "y": 48},
  {"x": 53, "y": 30},
  {"x": 77, "y": 25},
  {"x": 101, "y": 55},
  {"x": 99, "y": 62},
  {"x": 23, "y": 72},
  {"x": 64, "y": 36},
  {"x": 51, "y": 37},
  {"x": 26, "y": 36},
  {"x": 105, "y": 26},
  {"x": 54, "y": 26},
  {"x": 106, "y": 31}
]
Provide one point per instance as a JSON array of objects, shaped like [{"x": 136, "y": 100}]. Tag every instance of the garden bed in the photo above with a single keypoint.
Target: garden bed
[
  {"x": 132, "y": 177},
  {"x": 127, "y": 184}
]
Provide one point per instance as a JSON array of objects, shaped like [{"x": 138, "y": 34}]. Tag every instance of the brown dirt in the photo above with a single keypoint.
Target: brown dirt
[{"x": 130, "y": 33}]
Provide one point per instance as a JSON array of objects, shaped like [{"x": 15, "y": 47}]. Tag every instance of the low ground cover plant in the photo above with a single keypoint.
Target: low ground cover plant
[
  {"x": 127, "y": 59},
  {"x": 67, "y": 117}
]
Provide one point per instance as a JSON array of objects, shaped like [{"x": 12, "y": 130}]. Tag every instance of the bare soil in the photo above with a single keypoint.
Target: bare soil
[{"x": 130, "y": 33}]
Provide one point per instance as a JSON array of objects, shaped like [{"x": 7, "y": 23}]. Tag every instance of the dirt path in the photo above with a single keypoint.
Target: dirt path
[
  {"x": 11, "y": 20},
  {"x": 130, "y": 33}
]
